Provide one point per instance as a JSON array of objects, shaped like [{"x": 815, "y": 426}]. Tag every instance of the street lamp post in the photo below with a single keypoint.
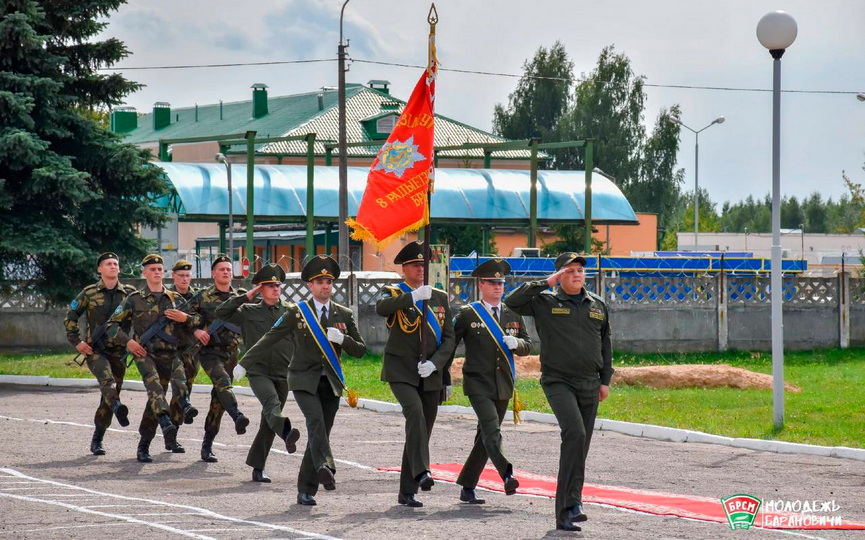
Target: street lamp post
[
  {"x": 719, "y": 120},
  {"x": 222, "y": 159},
  {"x": 776, "y": 31},
  {"x": 343, "y": 158}
]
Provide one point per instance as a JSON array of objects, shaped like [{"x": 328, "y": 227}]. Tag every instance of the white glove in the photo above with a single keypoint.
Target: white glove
[
  {"x": 238, "y": 372},
  {"x": 425, "y": 368},
  {"x": 335, "y": 335},
  {"x": 424, "y": 292},
  {"x": 449, "y": 391},
  {"x": 511, "y": 342}
]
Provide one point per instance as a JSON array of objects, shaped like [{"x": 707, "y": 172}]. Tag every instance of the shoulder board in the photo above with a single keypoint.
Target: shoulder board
[
  {"x": 595, "y": 296},
  {"x": 90, "y": 288},
  {"x": 439, "y": 290},
  {"x": 240, "y": 291},
  {"x": 135, "y": 292},
  {"x": 465, "y": 308},
  {"x": 547, "y": 291},
  {"x": 129, "y": 289},
  {"x": 173, "y": 295}
]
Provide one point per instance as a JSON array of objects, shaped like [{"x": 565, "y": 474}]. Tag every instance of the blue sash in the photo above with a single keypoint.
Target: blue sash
[
  {"x": 321, "y": 340},
  {"x": 496, "y": 332},
  {"x": 431, "y": 318}
]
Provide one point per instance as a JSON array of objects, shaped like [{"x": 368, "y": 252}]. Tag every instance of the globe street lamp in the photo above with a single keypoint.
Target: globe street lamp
[
  {"x": 719, "y": 120},
  {"x": 776, "y": 31}
]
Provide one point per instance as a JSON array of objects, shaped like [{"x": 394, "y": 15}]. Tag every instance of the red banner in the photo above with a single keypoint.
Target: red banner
[{"x": 395, "y": 199}]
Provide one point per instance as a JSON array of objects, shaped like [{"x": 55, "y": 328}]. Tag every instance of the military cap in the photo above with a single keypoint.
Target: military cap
[
  {"x": 413, "y": 252},
  {"x": 220, "y": 259},
  {"x": 568, "y": 258},
  {"x": 153, "y": 258},
  {"x": 181, "y": 265},
  {"x": 493, "y": 270},
  {"x": 107, "y": 255},
  {"x": 271, "y": 273},
  {"x": 320, "y": 266}
]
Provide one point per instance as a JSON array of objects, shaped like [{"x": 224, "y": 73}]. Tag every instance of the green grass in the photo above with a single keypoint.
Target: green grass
[{"x": 828, "y": 411}]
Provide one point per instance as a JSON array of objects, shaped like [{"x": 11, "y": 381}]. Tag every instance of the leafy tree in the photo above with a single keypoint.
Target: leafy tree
[
  {"x": 69, "y": 189},
  {"x": 710, "y": 221},
  {"x": 571, "y": 238},
  {"x": 541, "y": 96},
  {"x": 464, "y": 239}
]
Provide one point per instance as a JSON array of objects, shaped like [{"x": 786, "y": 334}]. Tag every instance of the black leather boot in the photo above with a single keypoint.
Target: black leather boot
[
  {"x": 96, "y": 442},
  {"x": 144, "y": 451},
  {"x": 121, "y": 412},
  {"x": 189, "y": 412},
  {"x": 207, "y": 448},
  {"x": 169, "y": 430},
  {"x": 240, "y": 420}
]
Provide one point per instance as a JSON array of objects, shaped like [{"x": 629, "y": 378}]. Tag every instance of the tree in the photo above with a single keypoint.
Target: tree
[
  {"x": 710, "y": 221},
  {"x": 69, "y": 189},
  {"x": 541, "y": 96},
  {"x": 464, "y": 239}
]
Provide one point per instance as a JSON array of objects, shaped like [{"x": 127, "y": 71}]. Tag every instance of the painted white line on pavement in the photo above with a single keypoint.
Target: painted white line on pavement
[
  {"x": 64, "y": 527},
  {"x": 105, "y": 514},
  {"x": 203, "y": 511}
]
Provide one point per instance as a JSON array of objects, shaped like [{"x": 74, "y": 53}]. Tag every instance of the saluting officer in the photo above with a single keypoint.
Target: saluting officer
[
  {"x": 493, "y": 334},
  {"x": 576, "y": 367},
  {"x": 415, "y": 384},
  {"x": 158, "y": 362},
  {"x": 181, "y": 274},
  {"x": 267, "y": 372},
  {"x": 220, "y": 341},
  {"x": 320, "y": 330},
  {"x": 104, "y": 359}
]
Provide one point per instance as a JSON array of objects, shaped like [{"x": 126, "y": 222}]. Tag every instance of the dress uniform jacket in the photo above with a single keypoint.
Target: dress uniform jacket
[
  {"x": 486, "y": 370},
  {"x": 255, "y": 319},
  {"x": 401, "y": 352}
]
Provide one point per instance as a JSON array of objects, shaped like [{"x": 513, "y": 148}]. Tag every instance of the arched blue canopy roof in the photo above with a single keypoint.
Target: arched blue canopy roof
[{"x": 491, "y": 196}]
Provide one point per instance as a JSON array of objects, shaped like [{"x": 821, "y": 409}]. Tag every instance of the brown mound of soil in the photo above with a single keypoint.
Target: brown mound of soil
[{"x": 677, "y": 376}]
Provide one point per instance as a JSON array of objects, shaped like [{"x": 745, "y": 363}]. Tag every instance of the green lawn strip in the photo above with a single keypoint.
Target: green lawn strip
[{"x": 826, "y": 412}]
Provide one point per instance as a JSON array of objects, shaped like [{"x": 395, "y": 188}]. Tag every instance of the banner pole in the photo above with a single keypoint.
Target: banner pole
[{"x": 432, "y": 19}]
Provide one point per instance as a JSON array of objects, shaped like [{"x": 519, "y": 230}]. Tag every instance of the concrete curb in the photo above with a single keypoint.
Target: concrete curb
[{"x": 648, "y": 431}]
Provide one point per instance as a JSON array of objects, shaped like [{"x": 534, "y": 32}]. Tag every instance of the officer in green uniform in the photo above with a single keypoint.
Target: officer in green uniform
[
  {"x": 320, "y": 330},
  {"x": 104, "y": 359},
  {"x": 149, "y": 308},
  {"x": 267, "y": 373},
  {"x": 415, "y": 384},
  {"x": 576, "y": 368},
  {"x": 218, "y": 354},
  {"x": 488, "y": 376},
  {"x": 181, "y": 274}
]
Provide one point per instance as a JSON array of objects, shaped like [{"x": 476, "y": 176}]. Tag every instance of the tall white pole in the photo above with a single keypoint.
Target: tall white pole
[
  {"x": 777, "y": 292},
  {"x": 696, "y": 189}
]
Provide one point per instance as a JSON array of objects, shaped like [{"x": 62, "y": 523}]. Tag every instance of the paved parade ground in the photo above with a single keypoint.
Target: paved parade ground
[{"x": 52, "y": 487}]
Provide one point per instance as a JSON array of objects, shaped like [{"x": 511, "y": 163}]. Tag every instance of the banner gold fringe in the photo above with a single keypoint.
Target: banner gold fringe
[
  {"x": 352, "y": 398},
  {"x": 361, "y": 233},
  {"x": 517, "y": 407}
]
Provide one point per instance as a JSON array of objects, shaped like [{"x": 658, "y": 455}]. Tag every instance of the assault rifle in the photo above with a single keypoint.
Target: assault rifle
[{"x": 95, "y": 342}]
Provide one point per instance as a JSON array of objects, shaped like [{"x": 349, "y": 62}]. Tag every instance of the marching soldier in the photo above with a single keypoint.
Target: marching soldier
[
  {"x": 220, "y": 341},
  {"x": 105, "y": 360},
  {"x": 268, "y": 373},
  {"x": 493, "y": 334},
  {"x": 320, "y": 330},
  {"x": 415, "y": 384},
  {"x": 576, "y": 368},
  {"x": 181, "y": 274},
  {"x": 153, "y": 313}
]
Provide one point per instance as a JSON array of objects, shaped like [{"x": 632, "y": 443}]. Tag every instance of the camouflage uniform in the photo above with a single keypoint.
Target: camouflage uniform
[
  {"x": 187, "y": 351},
  {"x": 218, "y": 359},
  {"x": 161, "y": 364},
  {"x": 107, "y": 362}
]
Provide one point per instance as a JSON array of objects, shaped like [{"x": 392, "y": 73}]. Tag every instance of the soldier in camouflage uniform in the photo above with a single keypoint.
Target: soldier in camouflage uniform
[
  {"x": 187, "y": 351},
  {"x": 149, "y": 308},
  {"x": 268, "y": 375},
  {"x": 105, "y": 360},
  {"x": 220, "y": 341},
  {"x": 416, "y": 384}
]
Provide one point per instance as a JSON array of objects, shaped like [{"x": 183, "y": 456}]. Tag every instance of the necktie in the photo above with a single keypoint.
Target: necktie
[
  {"x": 323, "y": 316},
  {"x": 496, "y": 313}
]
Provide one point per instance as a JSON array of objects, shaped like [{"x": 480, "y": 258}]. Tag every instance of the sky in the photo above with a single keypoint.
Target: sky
[{"x": 670, "y": 42}]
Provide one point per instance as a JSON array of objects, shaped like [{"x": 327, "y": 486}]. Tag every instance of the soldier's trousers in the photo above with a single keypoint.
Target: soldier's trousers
[
  {"x": 189, "y": 364},
  {"x": 419, "y": 408},
  {"x": 575, "y": 405},
  {"x": 222, "y": 399},
  {"x": 109, "y": 370},
  {"x": 272, "y": 393},
  {"x": 319, "y": 409},
  {"x": 156, "y": 371},
  {"x": 488, "y": 441}
]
